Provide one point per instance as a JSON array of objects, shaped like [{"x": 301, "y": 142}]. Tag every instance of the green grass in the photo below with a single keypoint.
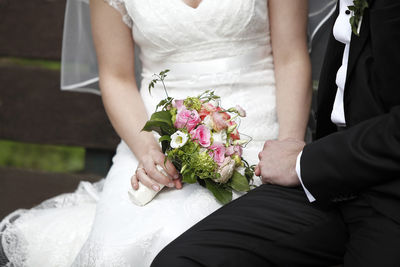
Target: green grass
[
  {"x": 41, "y": 63},
  {"x": 41, "y": 157}
]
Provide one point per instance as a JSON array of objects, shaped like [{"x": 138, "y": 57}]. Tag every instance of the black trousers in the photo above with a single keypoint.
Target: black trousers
[{"x": 277, "y": 226}]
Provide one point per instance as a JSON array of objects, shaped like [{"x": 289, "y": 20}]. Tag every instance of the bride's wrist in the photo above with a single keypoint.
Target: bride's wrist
[
  {"x": 144, "y": 145},
  {"x": 294, "y": 136},
  {"x": 148, "y": 149}
]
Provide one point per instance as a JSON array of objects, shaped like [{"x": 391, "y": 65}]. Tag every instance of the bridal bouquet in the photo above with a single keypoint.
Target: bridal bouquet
[{"x": 202, "y": 140}]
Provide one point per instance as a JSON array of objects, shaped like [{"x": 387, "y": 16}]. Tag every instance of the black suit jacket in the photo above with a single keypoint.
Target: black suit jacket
[{"x": 365, "y": 159}]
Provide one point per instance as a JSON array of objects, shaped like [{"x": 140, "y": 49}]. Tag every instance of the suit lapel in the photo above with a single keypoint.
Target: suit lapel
[{"x": 357, "y": 43}]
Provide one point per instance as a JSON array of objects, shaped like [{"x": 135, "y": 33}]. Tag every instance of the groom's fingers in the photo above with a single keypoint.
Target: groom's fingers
[
  {"x": 267, "y": 143},
  {"x": 257, "y": 171}
]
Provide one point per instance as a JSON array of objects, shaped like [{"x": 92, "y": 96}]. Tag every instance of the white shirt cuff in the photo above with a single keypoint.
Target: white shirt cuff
[{"x": 308, "y": 194}]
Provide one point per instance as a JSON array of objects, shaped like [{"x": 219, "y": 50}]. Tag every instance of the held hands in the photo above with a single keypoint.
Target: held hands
[
  {"x": 278, "y": 162},
  {"x": 148, "y": 174}
]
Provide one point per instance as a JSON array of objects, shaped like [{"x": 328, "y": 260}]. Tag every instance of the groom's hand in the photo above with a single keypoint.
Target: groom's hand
[{"x": 278, "y": 162}]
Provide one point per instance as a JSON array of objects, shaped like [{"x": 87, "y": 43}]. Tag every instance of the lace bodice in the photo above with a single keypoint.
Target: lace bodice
[{"x": 170, "y": 30}]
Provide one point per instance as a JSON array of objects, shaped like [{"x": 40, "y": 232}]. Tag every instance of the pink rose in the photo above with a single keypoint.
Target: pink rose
[
  {"x": 206, "y": 109},
  {"x": 241, "y": 111},
  {"x": 187, "y": 118},
  {"x": 220, "y": 120},
  {"x": 234, "y": 150},
  {"x": 201, "y": 135},
  {"x": 178, "y": 104},
  {"x": 218, "y": 152},
  {"x": 235, "y": 134}
]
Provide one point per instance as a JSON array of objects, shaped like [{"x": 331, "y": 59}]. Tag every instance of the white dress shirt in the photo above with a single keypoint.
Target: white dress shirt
[{"x": 342, "y": 33}]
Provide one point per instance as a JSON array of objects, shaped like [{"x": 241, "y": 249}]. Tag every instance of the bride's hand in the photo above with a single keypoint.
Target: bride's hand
[{"x": 148, "y": 174}]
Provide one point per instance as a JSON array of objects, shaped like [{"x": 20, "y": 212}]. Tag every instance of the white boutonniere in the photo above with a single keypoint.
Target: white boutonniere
[{"x": 358, "y": 10}]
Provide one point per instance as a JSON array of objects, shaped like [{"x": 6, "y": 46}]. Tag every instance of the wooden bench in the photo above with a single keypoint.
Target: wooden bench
[{"x": 33, "y": 109}]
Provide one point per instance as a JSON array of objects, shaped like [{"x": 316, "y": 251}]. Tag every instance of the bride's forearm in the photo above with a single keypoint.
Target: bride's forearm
[
  {"x": 288, "y": 24},
  {"x": 115, "y": 52},
  {"x": 127, "y": 114},
  {"x": 294, "y": 92}
]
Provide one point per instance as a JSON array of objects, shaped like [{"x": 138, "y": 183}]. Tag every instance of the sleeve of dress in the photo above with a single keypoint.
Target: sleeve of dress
[{"x": 120, "y": 6}]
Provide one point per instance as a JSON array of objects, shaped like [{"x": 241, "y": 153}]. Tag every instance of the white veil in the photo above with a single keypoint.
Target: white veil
[
  {"x": 79, "y": 71},
  {"x": 320, "y": 11}
]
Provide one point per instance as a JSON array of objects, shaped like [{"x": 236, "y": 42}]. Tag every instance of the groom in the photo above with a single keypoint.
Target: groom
[{"x": 336, "y": 200}]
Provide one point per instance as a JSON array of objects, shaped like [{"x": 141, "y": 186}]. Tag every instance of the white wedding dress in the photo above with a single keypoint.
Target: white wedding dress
[{"x": 222, "y": 45}]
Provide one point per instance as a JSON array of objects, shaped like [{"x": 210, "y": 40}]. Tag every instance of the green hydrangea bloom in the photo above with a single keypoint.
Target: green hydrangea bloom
[
  {"x": 173, "y": 111},
  {"x": 192, "y": 103},
  {"x": 203, "y": 165},
  {"x": 190, "y": 161},
  {"x": 181, "y": 156}
]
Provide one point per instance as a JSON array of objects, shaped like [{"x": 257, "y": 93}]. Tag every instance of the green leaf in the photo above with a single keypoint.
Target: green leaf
[
  {"x": 160, "y": 122},
  {"x": 151, "y": 85},
  {"x": 249, "y": 173},
  {"x": 162, "y": 117},
  {"x": 164, "y": 72},
  {"x": 159, "y": 127},
  {"x": 357, "y": 8},
  {"x": 164, "y": 138},
  {"x": 239, "y": 182},
  {"x": 164, "y": 103},
  {"x": 189, "y": 177},
  {"x": 223, "y": 195}
]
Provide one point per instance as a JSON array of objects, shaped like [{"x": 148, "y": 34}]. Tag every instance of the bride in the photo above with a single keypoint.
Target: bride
[{"x": 250, "y": 52}]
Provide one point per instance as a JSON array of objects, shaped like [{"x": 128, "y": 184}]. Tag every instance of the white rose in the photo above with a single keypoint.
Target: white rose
[
  {"x": 220, "y": 137},
  {"x": 178, "y": 139},
  {"x": 208, "y": 122},
  {"x": 214, "y": 102}
]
